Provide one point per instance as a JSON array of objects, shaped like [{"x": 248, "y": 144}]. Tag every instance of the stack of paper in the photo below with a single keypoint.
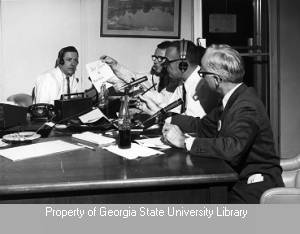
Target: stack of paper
[
  {"x": 38, "y": 150},
  {"x": 134, "y": 152},
  {"x": 94, "y": 138}
]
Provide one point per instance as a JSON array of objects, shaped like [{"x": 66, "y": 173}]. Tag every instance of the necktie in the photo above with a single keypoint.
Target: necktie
[
  {"x": 68, "y": 85},
  {"x": 183, "y": 106},
  {"x": 220, "y": 108},
  {"x": 220, "y": 112}
]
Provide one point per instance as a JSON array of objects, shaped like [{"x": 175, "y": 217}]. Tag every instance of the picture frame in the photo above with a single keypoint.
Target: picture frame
[{"x": 143, "y": 18}]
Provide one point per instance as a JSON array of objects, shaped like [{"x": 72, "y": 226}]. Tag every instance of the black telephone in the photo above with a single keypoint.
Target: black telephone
[{"x": 41, "y": 112}]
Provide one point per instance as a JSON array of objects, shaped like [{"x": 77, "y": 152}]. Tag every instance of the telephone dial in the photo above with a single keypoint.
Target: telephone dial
[{"x": 41, "y": 112}]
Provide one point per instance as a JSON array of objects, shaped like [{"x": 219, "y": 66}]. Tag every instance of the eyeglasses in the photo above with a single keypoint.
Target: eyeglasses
[
  {"x": 167, "y": 62},
  {"x": 204, "y": 73},
  {"x": 158, "y": 58}
]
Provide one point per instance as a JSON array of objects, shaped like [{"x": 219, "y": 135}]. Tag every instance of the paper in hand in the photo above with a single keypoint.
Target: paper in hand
[{"x": 99, "y": 72}]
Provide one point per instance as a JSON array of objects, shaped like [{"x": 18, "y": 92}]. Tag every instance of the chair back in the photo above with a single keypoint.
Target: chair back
[
  {"x": 290, "y": 194},
  {"x": 290, "y": 168},
  {"x": 283, "y": 195}
]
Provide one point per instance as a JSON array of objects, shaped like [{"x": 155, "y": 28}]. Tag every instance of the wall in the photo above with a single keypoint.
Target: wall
[
  {"x": 289, "y": 38},
  {"x": 33, "y": 31}
]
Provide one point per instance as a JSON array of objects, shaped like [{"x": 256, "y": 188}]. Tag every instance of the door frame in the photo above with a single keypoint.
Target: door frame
[
  {"x": 274, "y": 46},
  {"x": 274, "y": 86}
]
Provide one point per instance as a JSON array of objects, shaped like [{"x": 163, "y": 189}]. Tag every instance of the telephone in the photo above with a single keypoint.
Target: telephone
[{"x": 41, "y": 112}]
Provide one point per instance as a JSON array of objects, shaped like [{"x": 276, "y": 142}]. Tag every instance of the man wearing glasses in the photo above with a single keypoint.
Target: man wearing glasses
[
  {"x": 237, "y": 131},
  {"x": 159, "y": 84},
  {"x": 197, "y": 98}
]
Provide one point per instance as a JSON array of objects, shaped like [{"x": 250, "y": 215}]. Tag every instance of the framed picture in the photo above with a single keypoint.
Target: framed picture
[{"x": 140, "y": 18}]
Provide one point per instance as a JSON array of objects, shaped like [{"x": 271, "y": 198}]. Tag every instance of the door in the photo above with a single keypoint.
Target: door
[{"x": 242, "y": 24}]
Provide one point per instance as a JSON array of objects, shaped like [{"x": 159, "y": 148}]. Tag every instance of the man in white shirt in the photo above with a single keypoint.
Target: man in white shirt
[
  {"x": 182, "y": 59},
  {"x": 162, "y": 86},
  {"x": 60, "y": 80}
]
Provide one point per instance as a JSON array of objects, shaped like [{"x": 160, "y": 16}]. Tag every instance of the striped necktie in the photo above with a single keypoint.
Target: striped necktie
[{"x": 183, "y": 106}]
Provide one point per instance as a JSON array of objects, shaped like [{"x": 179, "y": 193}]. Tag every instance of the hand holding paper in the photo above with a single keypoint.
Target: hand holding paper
[{"x": 99, "y": 72}]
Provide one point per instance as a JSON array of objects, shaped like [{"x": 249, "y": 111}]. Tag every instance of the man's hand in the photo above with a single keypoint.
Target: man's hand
[
  {"x": 117, "y": 81},
  {"x": 110, "y": 61},
  {"x": 147, "y": 105},
  {"x": 173, "y": 135}
]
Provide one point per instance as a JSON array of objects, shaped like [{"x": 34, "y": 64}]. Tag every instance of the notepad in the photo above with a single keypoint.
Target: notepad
[
  {"x": 134, "y": 152},
  {"x": 94, "y": 138},
  {"x": 38, "y": 150}
]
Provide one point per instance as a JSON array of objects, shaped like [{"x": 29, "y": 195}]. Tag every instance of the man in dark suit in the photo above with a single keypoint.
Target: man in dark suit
[{"x": 237, "y": 131}]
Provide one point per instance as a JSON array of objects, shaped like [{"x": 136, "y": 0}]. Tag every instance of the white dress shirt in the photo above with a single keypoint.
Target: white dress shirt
[
  {"x": 193, "y": 106},
  {"x": 52, "y": 84}
]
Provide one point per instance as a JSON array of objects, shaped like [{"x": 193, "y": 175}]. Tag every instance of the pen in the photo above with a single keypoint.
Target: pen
[{"x": 86, "y": 146}]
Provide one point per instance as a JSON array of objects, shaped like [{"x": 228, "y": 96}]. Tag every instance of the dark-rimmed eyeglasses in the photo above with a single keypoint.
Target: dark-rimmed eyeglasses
[
  {"x": 167, "y": 62},
  {"x": 159, "y": 59}
]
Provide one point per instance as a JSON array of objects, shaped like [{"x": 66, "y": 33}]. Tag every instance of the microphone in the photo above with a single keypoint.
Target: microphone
[
  {"x": 134, "y": 83},
  {"x": 151, "y": 120}
]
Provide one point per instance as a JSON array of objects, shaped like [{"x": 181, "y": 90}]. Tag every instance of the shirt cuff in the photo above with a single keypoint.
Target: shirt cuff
[
  {"x": 168, "y": 120},
  {"x": 189, "y": 142}
]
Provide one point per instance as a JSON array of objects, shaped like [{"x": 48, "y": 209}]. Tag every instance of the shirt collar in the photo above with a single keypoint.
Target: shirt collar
[
  {"x": 193, "y": 77},
  {"x": 63, "y": 75},
  {"x": 228, "y": 95}
]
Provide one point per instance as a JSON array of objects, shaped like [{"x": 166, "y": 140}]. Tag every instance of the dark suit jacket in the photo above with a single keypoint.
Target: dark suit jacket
[{"x": 244, "y": 140}]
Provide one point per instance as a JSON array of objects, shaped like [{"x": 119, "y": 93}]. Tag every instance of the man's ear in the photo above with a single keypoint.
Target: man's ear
[{"x": 218, "y": 79}]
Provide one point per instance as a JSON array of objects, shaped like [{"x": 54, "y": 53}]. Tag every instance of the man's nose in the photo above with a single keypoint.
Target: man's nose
[{"x": 74, "y": 63}]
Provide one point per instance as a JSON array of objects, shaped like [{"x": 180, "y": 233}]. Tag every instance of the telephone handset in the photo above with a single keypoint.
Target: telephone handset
[{"x": 41, "y": 111}]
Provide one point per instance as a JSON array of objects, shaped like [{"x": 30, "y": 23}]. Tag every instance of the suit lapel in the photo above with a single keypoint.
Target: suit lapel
[{"x": 233, "y": 98}]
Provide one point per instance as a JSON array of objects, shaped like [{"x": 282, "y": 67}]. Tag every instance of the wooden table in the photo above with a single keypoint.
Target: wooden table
[{"x": 87, "y": 176}]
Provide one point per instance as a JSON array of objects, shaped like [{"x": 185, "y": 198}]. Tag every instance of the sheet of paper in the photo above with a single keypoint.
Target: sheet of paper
[
  {"x": 134, "y": 152},
  {"x": 153, "y": 142},
  {"x": 38, "y": 150},
  {"x": 92, "y": 116},
  {"x": 99, "y": 72},
  {"x": 94, "y": 138}
]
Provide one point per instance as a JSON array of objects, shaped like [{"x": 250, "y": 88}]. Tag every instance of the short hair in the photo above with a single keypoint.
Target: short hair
[
  {"x": 61, "y": 54},
  {"x": 225, "y": 61},
  {"x": 191, "y": 51},
  {"x": 164, "y": 45}
]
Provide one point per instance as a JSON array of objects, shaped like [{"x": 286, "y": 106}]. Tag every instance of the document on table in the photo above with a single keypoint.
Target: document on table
[
  {"x": 153, "y": 142},
  {"x": 94, "y": 138},
  {"x": 92, "y": 116},
  {"x": 38, "y": 150},
  {"x": 134, "y": 152},
  {"x": 99, "y": 72}
]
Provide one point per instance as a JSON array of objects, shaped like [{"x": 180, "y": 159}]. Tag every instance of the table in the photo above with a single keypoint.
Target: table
[{"x": 87, "y": 176}]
